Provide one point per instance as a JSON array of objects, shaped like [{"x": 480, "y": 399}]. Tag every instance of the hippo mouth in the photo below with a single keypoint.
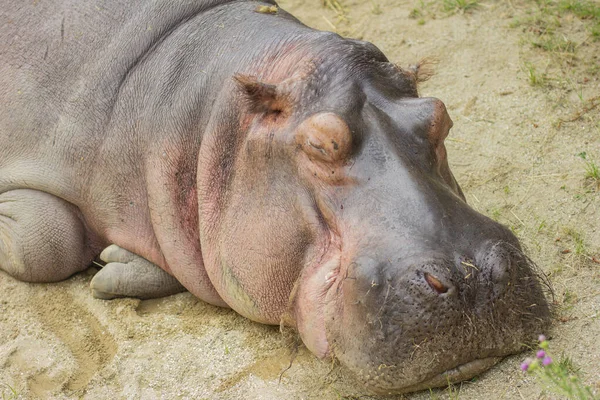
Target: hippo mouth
[{"x": 457, "y": 374}]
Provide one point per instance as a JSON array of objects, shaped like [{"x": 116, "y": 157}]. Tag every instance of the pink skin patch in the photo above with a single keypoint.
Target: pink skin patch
[{"x": 310, "y": 303}]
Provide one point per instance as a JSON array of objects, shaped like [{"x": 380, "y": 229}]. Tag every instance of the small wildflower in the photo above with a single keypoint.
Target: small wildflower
[
  {"x": 540, "y": 354},
  {"x": 546, "y": 361},
  {"x": 556, "y": 374},
  {"x": 542, "y": 338}
]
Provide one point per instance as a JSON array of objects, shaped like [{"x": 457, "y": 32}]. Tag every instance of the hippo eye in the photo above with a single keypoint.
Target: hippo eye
[
  {"x": 318, "y": 147},
  {"x": 435, "y": 283}
]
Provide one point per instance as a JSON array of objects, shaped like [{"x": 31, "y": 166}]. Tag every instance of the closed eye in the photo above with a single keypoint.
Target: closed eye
[{"x": 316, "y": 146}]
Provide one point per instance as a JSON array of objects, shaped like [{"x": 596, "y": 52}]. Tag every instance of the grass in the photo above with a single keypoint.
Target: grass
[
  {"x": 338, "y": 8},
  {"x": 534, "y": 77},
  {"x": 541, "y": 226},
  {"x": 424, "y": 10},
  {"x": 555, "y": 43},
  {"x": 375, "y": 9},
  {"x": 562, "y": 36},
  {"x": 8, "y": 392},
  {"x": 419, "y": 12},
  {"x": 586, "y": 106},
  {"x": 266, "y": 9},
  {"x": 341, "y": 22},
  {"x": 582, "y": 9},
  {"x": 577, "y": 238},
  {"x": 569, "y": 298},
  {"x": 566, "y": 363},
  {"x": 592, "y": 170},
  {"x": 578, "y": 241},
  {"x": 579, "y": 246},
  {"x": 459, "y": 6},
  {"x": 452, "y": 392},
  {"x": 536, "y": 23},
  {"x": 576, "y": 255},
  {"x": 592, "y": 174},
  {"x": 496, "y": 213}
]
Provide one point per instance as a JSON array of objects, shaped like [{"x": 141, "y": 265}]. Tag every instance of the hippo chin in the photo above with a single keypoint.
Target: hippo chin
[{"x": 293, "y": 175}]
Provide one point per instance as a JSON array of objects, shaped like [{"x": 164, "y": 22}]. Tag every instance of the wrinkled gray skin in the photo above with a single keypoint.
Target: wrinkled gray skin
[{"x": 292, "y": 175}]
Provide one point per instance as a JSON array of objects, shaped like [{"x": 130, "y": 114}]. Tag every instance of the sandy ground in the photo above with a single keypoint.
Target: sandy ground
[{"x": 514, "y": 162}]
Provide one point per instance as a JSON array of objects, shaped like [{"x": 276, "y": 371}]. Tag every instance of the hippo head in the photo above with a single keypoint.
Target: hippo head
[{"x": 326, "y": 201}]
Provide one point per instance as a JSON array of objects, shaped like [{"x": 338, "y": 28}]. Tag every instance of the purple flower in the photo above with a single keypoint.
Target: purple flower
[
  {"x": 540, "y": 354},
  {"x": 542, "y": 338},
  {"x": 525, "y": 365},
  {"x": 546, "y": 361}
]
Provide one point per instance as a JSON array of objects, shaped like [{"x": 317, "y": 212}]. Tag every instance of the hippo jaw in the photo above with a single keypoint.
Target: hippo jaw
[{"x": 457, "y": 374}]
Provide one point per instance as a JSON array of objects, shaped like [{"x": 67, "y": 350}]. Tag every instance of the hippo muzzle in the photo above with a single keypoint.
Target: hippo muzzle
[{"x": 407, "y": 324}]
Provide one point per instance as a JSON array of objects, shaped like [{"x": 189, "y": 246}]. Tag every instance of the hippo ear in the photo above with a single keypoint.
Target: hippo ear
[
  {"x": 262, "y": 97},
  {"x": 424, "y": 69}
]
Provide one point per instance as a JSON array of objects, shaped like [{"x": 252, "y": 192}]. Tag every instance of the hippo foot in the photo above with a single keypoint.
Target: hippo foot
[
  {"x": 42, "y": 237},
  {"x": 129, "y": 275}
]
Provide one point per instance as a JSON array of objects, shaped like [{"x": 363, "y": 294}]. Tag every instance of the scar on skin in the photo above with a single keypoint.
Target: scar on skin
[{"x": 266, "y": 9}]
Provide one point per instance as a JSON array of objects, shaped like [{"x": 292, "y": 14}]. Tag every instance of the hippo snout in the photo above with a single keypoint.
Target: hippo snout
[{"x": 433, "y": 318}]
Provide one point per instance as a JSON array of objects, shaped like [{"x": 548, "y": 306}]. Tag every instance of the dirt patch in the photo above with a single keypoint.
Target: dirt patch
[{"x": 520, "y": 81}]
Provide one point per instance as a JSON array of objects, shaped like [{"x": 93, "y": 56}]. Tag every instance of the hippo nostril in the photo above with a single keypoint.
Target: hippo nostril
[
  {"x": 435, "y": 283},
  {"x": 500, "y": 272},
  {"x": 498, "y": 265},
  {"x": 498, "y": 262}
]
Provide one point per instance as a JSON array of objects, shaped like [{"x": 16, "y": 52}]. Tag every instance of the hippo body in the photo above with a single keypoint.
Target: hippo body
[{"x": 293, "y": 175}]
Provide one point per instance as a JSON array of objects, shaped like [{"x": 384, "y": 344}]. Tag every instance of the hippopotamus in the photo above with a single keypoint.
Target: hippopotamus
[{"x": 292, "y": 175}]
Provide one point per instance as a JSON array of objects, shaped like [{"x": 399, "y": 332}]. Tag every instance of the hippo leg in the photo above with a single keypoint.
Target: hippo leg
[
  {"x": 42, "y": 238},
  {"x": 129, "y": 275}
]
